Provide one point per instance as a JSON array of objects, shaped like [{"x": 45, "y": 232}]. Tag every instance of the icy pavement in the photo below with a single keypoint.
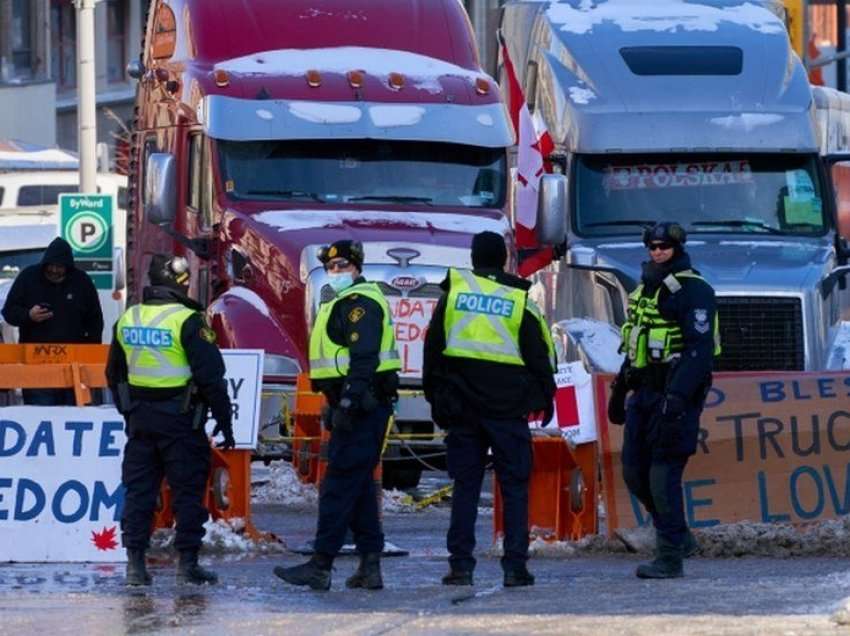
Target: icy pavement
[{"x": 585, "y": 591}]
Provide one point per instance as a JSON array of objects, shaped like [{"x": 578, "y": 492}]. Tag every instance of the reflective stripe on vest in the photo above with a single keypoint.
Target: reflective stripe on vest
[
  {"x": 150, "y": 338},
  {"x": 328, "y": 359},
  {"x": 483, "y": 319},
  {"x": 649, "y": 338}
]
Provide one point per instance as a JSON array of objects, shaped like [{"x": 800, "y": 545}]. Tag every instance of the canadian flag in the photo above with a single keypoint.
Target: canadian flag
[{"x": 534, "y": 144}]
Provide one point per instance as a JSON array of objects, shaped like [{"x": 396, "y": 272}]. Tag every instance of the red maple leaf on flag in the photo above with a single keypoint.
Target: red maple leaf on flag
[{"x": 105, "y": 539}]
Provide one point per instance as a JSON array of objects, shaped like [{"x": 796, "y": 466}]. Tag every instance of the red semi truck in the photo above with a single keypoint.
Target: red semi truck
[{"x": 266, "y": 129}]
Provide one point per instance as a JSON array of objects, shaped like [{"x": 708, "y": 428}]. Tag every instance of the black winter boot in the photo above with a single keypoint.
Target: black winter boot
[
  {"x": 666, "y": 565},
  {"x": 458, "y": 577},
  {"x": 368, "y": 574},
  {"x": 190, "y": 571},
  {"x": 137, "y": 572},
  {"x": 316, "y": 573},
  {"x": 518, "y": 577}
]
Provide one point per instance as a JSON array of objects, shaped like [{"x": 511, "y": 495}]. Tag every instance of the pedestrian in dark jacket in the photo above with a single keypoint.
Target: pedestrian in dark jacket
[
  {"x": 670, "y": 339},
  {"x": 488, "y": 364},
  {"x": 54, "y": 302}
]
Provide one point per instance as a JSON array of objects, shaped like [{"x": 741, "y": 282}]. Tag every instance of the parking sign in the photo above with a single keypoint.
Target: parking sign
[{"x": 86, "y": 223}]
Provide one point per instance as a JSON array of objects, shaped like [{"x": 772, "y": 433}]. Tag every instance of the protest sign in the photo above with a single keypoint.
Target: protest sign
[
  {"x": 773, "y": 447},
  {"x": 60, "y": 484}
]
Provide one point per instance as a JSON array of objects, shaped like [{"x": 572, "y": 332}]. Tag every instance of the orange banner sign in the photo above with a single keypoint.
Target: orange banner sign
[{"x": 773, "y": 447}]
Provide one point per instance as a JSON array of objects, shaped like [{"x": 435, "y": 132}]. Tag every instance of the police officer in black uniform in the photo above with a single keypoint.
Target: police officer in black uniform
[
  {"x": 165, "y": 371},
  {"x": 488, "y": 363},
  {"x": 670, "y": 340},
  {"x": 354, "y": 363}
]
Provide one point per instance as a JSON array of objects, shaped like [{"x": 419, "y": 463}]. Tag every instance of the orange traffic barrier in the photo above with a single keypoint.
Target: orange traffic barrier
[
  {"x": 80, "y": 367},
  {"x": 306, "y": 446},
  {"x": 562, "y": 492}
]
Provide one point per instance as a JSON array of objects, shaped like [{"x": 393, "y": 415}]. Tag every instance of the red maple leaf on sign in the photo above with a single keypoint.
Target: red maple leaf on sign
[{"x": 105, "y": 539}]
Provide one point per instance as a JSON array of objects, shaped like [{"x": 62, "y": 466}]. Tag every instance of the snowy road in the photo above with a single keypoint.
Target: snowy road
[{"x": 588, "y": 594}]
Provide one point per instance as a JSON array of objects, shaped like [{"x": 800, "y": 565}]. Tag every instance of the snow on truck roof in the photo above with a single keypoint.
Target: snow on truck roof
[{"x": 627, "y": 76}]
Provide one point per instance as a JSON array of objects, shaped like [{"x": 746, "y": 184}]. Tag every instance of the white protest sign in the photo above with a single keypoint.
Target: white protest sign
[
  {"x": 575, "y": 413},
  {"x": 244, "y": 377},
  {"x": 60, "y": 484},
  {"x": 411, "y": 317}
]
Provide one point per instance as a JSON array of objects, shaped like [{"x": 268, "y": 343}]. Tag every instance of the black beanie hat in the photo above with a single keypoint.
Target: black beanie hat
[
  {"x": 667, "y": 232},
  {"x": 488, "y": 251},
  {"x": 352, "y": 251}
]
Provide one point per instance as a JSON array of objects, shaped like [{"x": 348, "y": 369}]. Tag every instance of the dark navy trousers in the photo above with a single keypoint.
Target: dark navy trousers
[
  {"x": 348, "y": 497},
  {"x": 653, "y": 466},
  {"x": 466, "y": 455},
  {"x": 161, "y": 443}
]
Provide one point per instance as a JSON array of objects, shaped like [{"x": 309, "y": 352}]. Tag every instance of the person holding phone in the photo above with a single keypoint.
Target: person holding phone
[{"x": 54, "y": 302}]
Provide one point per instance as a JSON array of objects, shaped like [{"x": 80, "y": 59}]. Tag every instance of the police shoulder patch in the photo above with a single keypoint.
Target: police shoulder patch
[
  {"x": 208, "y": 334},
  {"x": 356, "y": 314}
]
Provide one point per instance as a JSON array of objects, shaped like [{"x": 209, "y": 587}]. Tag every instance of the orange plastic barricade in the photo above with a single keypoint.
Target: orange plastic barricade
[
  {"x": 562, "y": 491},
  {"x": 307, "y": 445},
  {"x": 54, "y": 366}
]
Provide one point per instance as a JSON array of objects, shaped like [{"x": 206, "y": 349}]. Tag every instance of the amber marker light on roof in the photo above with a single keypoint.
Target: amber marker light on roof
[
  {"x": 396, "y": 81},
  {"x": 314, "y": 78},
  {"x": 355, "y": 78},
  {"x": 221, "y": 77},
  {"x": 482, "y": 86}
]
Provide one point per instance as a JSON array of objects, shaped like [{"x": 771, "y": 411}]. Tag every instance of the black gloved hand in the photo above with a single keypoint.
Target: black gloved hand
[
  {"x": 368, "y": 402},
  {"x": 617, "y": 401},
  {"x": 225, "y": 427},
  {"x": 342, "y": 418},
  {"x": 548, "y": 414},
  {"x": 671, "y": 412}
]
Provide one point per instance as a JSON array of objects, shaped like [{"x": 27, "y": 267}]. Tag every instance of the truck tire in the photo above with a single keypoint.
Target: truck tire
[{"x": 401, "y": 478}]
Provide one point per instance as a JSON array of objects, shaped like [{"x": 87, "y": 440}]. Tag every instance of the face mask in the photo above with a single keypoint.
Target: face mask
[{"x": 340, "y": 281}]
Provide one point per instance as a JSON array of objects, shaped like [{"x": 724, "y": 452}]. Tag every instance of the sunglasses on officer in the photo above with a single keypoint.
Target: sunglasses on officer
[
  {"x": 337, "y": 264},
  {"x": 660, "y": 245}
]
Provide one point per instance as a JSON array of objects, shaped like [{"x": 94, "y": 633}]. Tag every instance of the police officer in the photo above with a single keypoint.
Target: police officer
[
  {"x": 165, "y": 371},
  {"x": 670, "y": 339},
  {"x": 488, "y": 363},
  {"x": 354, "y": 363}
]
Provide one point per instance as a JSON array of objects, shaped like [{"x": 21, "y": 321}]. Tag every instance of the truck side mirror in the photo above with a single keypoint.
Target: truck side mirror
[
  {"x": 161, "y": 189},
  {"x": 552, "y": 210}
]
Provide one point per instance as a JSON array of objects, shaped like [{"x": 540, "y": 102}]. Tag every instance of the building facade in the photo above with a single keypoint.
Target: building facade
[{"x": 38, "y": 68}]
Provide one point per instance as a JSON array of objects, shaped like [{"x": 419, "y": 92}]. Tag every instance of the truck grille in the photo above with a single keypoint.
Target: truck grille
[{"x": 760, "y": 334}]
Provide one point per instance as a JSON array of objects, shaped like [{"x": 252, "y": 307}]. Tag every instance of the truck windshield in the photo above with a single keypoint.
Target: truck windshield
[
  {"x": 729, "y": 194},
  {"x": 364, "y": 172}
]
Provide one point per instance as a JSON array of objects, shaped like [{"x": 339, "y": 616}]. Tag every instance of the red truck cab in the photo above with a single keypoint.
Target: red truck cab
[{"x": 266, "y": 129}]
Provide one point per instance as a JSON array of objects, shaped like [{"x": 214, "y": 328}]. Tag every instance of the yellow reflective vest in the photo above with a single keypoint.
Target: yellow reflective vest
[
  {"x": 329, "y": 360},
  {"x": 649, "y": 338},
  {"x": 150, "y": 338},
  {"x": 483, "y": 319}
]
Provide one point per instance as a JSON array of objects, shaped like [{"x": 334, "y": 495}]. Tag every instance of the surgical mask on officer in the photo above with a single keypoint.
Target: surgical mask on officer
[{"x": 340, "y": 280}]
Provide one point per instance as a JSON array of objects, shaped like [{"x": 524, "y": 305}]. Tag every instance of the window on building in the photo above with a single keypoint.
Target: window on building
[
  {"x": 23, "y": 22},
  {"x": 43, "y": 194},
  {"x": 117, "y": 14},
  {"x": 63, "y": 34}
]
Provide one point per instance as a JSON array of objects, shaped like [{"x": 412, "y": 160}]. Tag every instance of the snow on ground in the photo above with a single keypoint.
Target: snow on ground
[
  {"x": 222, "y": 537},
  {"x": 279, "y": 484},
  {"x": 825, "y": 538}
]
